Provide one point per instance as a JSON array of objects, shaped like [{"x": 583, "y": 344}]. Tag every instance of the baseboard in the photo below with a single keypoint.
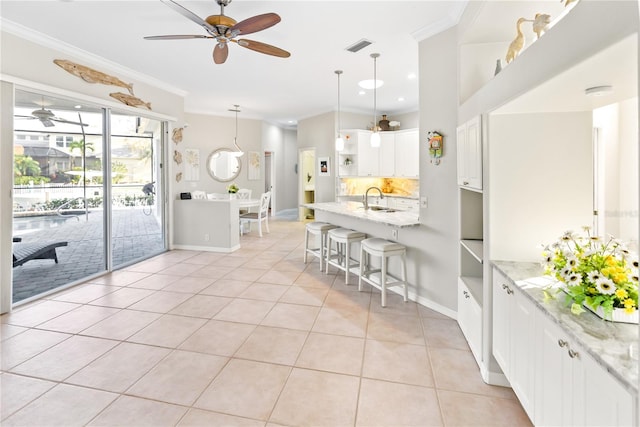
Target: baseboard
[{"x": 206, "y": 248}]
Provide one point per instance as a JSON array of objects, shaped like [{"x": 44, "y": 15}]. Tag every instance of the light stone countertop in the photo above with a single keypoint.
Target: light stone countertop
[
  {"x": 356, "y": 210},
  {"x": 608, "y": 343}
]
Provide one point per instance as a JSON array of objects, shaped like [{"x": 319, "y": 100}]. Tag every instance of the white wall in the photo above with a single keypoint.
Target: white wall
[
  {"x": 208, "y": 133},
  {"x": 628, "y": 179},
  {"x": 541, "y": 181},
  {"x": 319, "y": 132},
  {"x": 282, "y": 143},
  {"x": 438, "y": 240}
]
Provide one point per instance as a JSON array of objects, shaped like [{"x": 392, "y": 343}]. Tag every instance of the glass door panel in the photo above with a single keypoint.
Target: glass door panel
[
  {"x": 137, "y": 230},
  {"x": 58, "y": 221}
]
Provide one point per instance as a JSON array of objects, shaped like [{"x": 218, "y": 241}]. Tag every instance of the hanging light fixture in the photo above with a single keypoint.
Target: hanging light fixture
[
  {"x": 238, "y": 152},
  {"x": 375, "y": 136},
  {"x": 339, "y": 140}
]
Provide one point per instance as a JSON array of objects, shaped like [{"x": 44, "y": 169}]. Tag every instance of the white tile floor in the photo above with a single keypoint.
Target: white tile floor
[{"x": 252, "y": 338}]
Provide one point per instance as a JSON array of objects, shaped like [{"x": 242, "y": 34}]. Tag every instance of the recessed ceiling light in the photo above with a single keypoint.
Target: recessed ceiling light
[
  {"x": 598, "y": 90},
  {"x": 411, "y": 76},
  {"x": 78, "y": 106},
  {"x": 401, "y": 99},
  {"x": 370, "y": 84},
  {"x": 361, "y": 92}
]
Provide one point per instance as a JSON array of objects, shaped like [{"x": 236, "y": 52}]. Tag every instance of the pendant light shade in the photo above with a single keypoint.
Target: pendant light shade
[
  {"x": 238, "y": 152},
  {"x": 339, "y": 140},
  {"x": 375, "y": 136}
]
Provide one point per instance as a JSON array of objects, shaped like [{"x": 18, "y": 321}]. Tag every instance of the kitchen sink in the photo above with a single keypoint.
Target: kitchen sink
[{"x": 382, "y": 209}]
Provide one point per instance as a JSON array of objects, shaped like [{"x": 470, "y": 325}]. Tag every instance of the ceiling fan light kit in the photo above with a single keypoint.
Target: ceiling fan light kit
[{"x": 225, "y": 29}]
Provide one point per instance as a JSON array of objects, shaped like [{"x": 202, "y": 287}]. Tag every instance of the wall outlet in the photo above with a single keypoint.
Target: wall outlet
[
  {"x": 394, "y": 233},
  {"x": 206, "y": 237},
  {"x": 423, "y": 201}
]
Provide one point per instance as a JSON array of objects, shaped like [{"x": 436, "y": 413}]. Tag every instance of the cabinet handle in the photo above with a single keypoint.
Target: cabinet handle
[
  {"x": 573, "y": 354},
  {"x": 562, "y": 343},
  {"x": 508, "y": 289},
  {"x": 465, "y": 182},
  {"x": 505, "y": 287},
  {"x": 466, "y": 294}
]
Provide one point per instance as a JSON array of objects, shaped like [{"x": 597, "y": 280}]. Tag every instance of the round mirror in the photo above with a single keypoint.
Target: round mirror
[{"x": 223, "y": 165}]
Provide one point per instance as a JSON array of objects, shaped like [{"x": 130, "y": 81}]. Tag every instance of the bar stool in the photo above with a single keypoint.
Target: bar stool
[
  {"x": 321, "y": 229},
  {"x": 341, "y": 258},
  {"x": 383, "y": 249}
]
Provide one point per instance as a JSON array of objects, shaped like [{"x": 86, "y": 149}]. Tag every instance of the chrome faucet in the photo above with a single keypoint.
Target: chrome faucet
[{"x": 365, "y": 198}]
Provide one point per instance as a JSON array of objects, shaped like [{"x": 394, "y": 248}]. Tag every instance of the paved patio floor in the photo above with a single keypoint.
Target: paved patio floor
[{"x": 135, "y": 235}]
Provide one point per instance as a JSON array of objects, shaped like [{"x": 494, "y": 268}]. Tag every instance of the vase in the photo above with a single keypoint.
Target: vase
[
  {"x": 498, "y": 67},
  {"x": 384, "y": 123},
  {"x": 618, "y": 315}
]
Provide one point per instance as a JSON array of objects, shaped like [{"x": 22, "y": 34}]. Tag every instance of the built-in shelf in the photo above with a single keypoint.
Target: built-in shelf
[{"x": 474, "y": 247}]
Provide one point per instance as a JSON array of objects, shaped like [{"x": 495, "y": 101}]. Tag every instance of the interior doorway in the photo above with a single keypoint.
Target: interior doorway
[
  {"x": 270, "y": 179},
  {"x": 307, "y": 177}
]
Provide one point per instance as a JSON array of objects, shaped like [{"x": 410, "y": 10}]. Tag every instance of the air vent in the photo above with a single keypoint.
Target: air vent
[{"x": 359, "y": 45}]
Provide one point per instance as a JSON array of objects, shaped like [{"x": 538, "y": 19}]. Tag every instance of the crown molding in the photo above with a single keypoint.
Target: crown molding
[
  {"x": 68, "y": 49},
  {"x": 441, "y": 25}
]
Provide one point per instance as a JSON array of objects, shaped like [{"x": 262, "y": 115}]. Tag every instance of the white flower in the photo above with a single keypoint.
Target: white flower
[
  {"x": 574, "y": 279},
  {"x": 566, "y": 273},
  {"x": 572, "y": 261},
  {"x": 605, "y": 286},
  {"x": 594, "y": 276}
]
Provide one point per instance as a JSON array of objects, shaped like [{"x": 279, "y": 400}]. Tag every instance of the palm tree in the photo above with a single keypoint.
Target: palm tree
[
  {"x": 82, "y": 146},
  {"x": 25, "y": 166}
]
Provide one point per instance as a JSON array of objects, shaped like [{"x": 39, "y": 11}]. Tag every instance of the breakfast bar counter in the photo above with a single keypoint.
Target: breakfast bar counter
[{"x": 384, "y": 216}]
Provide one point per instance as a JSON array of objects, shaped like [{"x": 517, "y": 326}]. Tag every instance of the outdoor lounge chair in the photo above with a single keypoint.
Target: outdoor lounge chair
[{"x": 23, "y": 252}]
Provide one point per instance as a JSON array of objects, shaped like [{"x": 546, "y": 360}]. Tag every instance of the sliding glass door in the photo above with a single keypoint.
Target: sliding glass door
[{"x": 69, "y": 158}]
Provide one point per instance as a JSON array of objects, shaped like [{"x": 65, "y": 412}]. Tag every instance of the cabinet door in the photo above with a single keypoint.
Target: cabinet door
[
  {"x": 470, "y": 319},
  {"x": 522, "y": 349},
  {"x": 407, "y": 156},
  {"x": 474, "y": 154},
  {"x": 469, "y": 155},
  {"x": 368, "y": 157},
  {"x": 501, "y": 331},
  {"x": 387, "y": 154},
  {"x": 553, "y": 383}
]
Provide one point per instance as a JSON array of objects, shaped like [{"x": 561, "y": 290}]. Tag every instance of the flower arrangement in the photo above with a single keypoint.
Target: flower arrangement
[
  {"x": 232, "y": 188},
  {"x": 594, "y": 272}
]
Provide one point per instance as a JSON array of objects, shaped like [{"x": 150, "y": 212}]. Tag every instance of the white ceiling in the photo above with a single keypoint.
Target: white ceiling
[{"x": 281, "y": 91}]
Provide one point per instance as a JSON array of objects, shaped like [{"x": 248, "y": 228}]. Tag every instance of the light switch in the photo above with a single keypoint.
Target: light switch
[{"x": 423, "y": 201}]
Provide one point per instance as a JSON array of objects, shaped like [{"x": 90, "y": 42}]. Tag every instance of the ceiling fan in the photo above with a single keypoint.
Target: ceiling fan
[
  {"x": 47, "y": 118},
  {"x": 225, "y": 29}
]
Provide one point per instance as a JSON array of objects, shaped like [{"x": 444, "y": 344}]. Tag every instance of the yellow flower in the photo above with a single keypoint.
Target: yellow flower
[
  {"x": 621, "y": 293},
  {"x": 620, "y": 277},
  {"x": 610, "y": 261},
  {"x": 629, "y": 310},
  {"x": 629, "y": 303}
]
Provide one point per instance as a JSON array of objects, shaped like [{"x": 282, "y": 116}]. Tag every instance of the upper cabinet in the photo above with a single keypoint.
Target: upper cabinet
[
  {"x": 397, "y": 156},
  {"x": 469, "y": 152},
  {"x": 407, "y": 153}
]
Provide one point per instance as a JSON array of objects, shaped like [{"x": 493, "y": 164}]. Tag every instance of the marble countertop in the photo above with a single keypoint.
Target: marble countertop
[
  {"x": 356, "y": 210},
  {"x": 606, "y": 342}
]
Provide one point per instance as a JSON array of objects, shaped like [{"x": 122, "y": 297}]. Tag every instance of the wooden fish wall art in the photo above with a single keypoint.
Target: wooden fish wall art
[
  {"x": 90, "y": 75},
  {"x": 177, "y": 156},
  {"x": 130, "y": 100},
  {"x": 179, "y": 177}
]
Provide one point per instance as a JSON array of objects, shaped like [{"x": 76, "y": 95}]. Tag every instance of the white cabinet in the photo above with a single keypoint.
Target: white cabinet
[
  {"x": 557, "y": 382},
  {"x": 513, "y": 348},
  {"x": 407, "y": 155},
  {"x": 348, "y": 158},
  {"x": 470, "y": 313},
  {"x": 571, "y": 387},
  {"x": 469, "y": 154},
  {"x": 368, "y": 158},
  {"x": 387, "y": 154}
]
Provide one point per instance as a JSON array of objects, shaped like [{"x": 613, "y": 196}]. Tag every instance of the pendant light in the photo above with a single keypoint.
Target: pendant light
[
  {"x": 375, "y": 136},
  {"x": 238, "y": 152},
  {"x": 339, "y": 140}
]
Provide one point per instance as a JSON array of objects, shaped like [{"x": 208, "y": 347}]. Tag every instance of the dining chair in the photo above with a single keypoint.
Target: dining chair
[
  {"x": 244, "y": 194},
  {"x": 261, "y": 216}
]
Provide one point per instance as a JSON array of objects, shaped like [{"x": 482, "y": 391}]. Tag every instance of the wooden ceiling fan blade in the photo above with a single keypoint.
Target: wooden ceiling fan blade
[
  {"x": 177, "y": 37},
  {"x": 256, "y": 23},
  {"x": 220, "y": 53},
  {"x": 263, "y": 48},
  {"x": 24, "y": 117},
  {"x": 57, "y": 119},
  {"x": 191, "y": 16}
]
